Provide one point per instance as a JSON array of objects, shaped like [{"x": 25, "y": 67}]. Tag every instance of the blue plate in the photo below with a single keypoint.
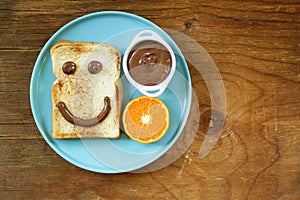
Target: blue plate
[{"x": 109, "y": 155}]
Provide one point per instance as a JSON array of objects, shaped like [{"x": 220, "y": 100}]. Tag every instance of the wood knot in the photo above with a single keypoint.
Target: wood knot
[{"x": 188, "y": 24}]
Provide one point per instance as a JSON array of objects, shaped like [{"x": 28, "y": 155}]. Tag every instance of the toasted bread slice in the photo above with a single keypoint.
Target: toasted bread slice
[{"x": 83, "y": 92}]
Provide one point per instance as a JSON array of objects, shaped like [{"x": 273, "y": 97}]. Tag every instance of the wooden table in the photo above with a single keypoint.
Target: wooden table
[{"x": 256, "y": 47}]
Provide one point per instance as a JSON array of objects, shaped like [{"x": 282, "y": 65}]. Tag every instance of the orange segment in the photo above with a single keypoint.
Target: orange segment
[{"x": 146, "y": 119}]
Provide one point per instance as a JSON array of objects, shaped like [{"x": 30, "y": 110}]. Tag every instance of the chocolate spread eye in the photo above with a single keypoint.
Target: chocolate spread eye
[
  {"x": 95, "y": 67},
  {"x": 69, "y": 67}
]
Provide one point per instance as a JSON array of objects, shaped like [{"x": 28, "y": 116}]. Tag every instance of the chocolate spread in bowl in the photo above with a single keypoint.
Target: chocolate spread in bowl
[{"x": 149, "y": 62}]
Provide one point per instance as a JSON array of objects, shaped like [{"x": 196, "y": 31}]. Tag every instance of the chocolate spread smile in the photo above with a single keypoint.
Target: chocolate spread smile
[
  {"x": 149, "y": 63},
  {"x": 84, "y": 122}
]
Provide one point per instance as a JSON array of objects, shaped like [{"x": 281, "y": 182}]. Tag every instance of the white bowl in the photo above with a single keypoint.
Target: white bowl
[{"x": 152, "y": 90}]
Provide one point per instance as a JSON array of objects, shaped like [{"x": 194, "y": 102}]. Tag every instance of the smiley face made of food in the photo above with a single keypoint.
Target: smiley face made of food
[{"x": 86, "y": 97}]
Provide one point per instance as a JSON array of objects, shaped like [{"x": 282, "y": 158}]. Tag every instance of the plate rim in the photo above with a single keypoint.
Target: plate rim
[{"x": 35, "y": 77}]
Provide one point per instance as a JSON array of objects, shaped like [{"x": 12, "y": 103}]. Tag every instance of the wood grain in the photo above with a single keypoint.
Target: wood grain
[{"x": 256, "y": 46}]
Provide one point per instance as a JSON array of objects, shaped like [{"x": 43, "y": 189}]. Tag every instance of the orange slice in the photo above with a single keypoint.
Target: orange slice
[{"x": 146, "y": 119}]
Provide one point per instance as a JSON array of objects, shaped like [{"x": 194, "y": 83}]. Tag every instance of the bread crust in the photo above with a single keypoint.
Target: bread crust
[{"x": 82, "y": 92}]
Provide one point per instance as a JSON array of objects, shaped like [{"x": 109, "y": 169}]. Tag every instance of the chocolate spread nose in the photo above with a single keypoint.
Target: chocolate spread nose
[{"x": 149, "y": 63}]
